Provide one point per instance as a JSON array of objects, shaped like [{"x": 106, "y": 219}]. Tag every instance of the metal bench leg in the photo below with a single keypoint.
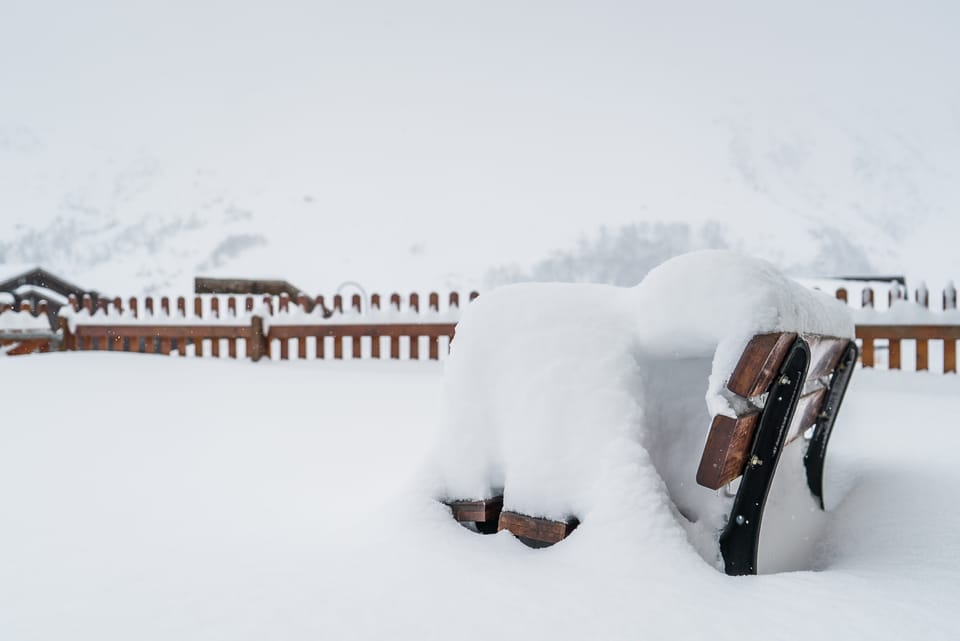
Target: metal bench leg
[
  {"x": 817, "y": 449},
  {"x": 740, "y": 537}
]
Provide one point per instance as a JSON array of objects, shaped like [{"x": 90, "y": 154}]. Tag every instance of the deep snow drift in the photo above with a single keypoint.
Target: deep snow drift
[
  {"x": 146, "y": 497},
  {"x": 576, "y": 399}
]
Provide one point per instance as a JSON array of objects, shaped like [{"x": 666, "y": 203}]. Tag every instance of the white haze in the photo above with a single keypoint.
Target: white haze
[{"x": 422, "y": 144}]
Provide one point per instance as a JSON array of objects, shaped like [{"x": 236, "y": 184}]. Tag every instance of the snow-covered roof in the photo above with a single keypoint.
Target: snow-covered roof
[
  {"x": 42, "y": 292},
  {"x": 12, "y": 270}
]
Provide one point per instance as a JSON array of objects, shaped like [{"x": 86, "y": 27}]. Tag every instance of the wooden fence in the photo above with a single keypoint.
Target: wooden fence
[
  {"x": 890, "y": 343},
  {"x": 891, "y": 339},
  {"x": 282, "y": 328},
  {"x": 275, "y": 327}
]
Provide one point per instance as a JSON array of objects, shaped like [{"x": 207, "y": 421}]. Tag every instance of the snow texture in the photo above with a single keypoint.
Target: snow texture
[
  {"x": 226, "y": 500},
  {"x": 23, "y": 322}
]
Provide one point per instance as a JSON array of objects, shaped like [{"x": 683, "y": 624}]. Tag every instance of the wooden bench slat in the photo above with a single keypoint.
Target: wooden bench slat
[
  {"x": 808, "y": 407},
  {"x": 535, "y": 531},
  {"x": 728, "y": 445},
  {"x": 825, "y": 353},
  {"x": 760, "y": 362},
  {"x": 479, "y": 510}
]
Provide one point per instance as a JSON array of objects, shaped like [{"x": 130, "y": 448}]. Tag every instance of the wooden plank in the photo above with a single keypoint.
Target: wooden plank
[
  {"x": 914, "y": 332},
  {"x": 949, "y": 356},
  {"x": 727, "y": 449},
  {"x": 414, "y": 346},
  {"x": 255, "y": 341},
  {"x": 759, "y": 364},
  {"x": 825, "y": 352},
  {"x": 923, "y": 356},
  {"x": 479, "y": 510},
  {"x": 536, "y": 531},
  {"x": 27, "y": 347},
  {"x": 165, "y": 345},
  {"x": 867, "y": 351},
  {"x": 351, "y": 330},
  {"x": 168, "y": 331},
  {"x": 893, "y": 354},
  {"x": 808, "y": 407}
]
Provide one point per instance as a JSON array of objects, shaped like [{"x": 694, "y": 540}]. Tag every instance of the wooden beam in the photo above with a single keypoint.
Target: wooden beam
[
  {"x": 911, "y": 332},
  {"x": 759, "y": 364},
  {"x": 164, "y": 331},
  {"x": 727, "y": 448},
  {"x": 480, "y": 510},
  {"x": 534, "y": 531}
]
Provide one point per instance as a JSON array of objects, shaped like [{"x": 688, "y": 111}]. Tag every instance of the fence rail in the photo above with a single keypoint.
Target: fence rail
[{"x": 876, "y": 338}]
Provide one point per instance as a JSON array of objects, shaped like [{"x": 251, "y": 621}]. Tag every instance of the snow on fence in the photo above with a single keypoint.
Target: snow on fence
[
  {"x": 895, "y": 331},
  {"x": 275, "y": 327}
]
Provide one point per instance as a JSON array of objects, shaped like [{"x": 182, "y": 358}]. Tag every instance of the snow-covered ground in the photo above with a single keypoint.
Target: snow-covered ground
[{"x": 144, "y": 497}]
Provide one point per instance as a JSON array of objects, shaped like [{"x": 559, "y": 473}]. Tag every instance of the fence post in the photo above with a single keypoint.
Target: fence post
[
  {"x": 66, "y": 338},
  {"x": 923, "y": 295},
  {"x": 949, "y": 297},
  {"x": 256, "y": 342}
]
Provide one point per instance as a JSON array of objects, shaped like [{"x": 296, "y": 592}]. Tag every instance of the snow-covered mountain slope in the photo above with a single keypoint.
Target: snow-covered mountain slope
[{"x": 438, "y": 145}]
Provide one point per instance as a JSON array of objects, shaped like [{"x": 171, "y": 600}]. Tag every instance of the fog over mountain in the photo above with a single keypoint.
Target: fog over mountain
[{"x": 437, "y": 144}]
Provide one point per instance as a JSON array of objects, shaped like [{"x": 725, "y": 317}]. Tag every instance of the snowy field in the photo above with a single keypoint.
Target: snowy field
[{"x": 145, "y": 498}]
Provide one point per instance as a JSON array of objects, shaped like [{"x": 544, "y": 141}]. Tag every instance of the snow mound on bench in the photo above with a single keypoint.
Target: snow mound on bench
[
  {"x": 713, "y": 302},
  {"x": 587, "y": 400}
]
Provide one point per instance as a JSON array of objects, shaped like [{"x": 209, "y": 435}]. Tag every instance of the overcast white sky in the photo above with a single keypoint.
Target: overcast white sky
[{"x": 519, "y": 124}]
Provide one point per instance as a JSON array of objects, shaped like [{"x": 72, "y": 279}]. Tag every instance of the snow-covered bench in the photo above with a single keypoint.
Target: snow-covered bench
[{"x": 567, "y": 402}]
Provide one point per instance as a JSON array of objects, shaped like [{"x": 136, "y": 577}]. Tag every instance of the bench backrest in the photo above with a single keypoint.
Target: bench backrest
[{"x": 729, "y": 441}]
